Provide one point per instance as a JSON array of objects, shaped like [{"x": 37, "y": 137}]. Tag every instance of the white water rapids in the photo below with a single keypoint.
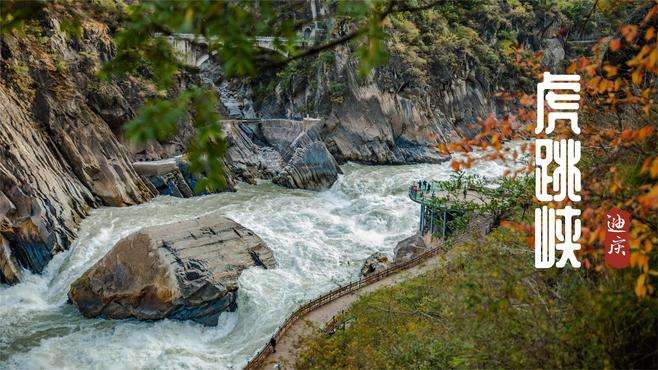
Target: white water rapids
[{"x": 319, "y": 239}]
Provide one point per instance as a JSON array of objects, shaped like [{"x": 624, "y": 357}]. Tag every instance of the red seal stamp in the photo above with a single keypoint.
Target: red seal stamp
[{"x": 617, "y": 245}]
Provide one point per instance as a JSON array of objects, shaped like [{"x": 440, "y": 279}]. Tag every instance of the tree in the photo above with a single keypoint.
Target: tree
[
  {"x": 231, "y": 29},
  {"x": 619, "y": 111}
]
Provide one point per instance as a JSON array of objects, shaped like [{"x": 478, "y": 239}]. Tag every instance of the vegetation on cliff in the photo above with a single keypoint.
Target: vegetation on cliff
[
  {"x": 426, "y": 52},
  {"x": 618, "y": 117}
]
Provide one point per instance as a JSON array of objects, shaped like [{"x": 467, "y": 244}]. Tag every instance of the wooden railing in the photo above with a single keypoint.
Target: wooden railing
[{"x": 334, "y": 294}]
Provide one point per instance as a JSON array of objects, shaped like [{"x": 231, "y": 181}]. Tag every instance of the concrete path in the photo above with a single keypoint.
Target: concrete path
[{"x": 288, "y": 347}]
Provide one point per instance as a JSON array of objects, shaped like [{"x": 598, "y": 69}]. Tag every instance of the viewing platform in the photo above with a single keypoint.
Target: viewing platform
[{"x": 435, "y": 205}]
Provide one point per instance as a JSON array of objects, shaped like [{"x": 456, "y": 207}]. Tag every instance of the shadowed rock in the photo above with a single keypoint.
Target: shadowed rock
[
  {"x": 171, "y": 176},
  {"x": 186, "y": 270},
  {"x": 409, "y": 248},
  {"x": 288, "y": 152},
  {"x": 165, "y": 176},
  {"x": 309, "y": 165},
  {"x": 376, "y": 262}
]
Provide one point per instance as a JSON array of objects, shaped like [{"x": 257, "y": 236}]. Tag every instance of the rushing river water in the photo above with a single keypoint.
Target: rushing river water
[{"x": 319, "y": 239}]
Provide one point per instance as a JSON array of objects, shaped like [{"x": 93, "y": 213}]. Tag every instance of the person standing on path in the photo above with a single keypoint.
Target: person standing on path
[{"x": 273, "y": 344}]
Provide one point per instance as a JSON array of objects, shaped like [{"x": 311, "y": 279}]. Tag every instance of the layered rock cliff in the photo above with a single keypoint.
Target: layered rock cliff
[
  {"x": 443, "y": 70},
  {"x": 58, "y": 154},
  {"x": 62, "y": 151},
  {"x": 288, "y": 152}
]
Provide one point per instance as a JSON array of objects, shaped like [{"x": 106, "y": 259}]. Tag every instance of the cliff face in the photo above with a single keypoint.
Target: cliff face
[
  {"x": 58, "y": 154},
  {"x": 444, "y": 69},
  {"x": 61, "y": 151},
  {"x": 369, "y": 124},
  {"x": 376, "y": 125},
  {"x": 441, "y": 76}
]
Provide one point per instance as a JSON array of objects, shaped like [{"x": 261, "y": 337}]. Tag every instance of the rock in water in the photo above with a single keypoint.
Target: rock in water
[
  {"x": 409, "y": 248},
  {"x": 376, "y": 262},
  {"x": 171, "y": 176},
  {"x": 186, "y": 270},
  {"x": 10, "y": 272},
  {"x": 309, "y": 165},
  {"x": 290, "y": 153},
  {"x": 165, "y": 176}
]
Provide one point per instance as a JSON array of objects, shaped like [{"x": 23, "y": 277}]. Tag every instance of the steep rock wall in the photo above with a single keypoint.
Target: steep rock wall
[
  {"x": 372, "y": 120},
  {"x": 59, "y": 156},
  {"x": 440, "y": 79}
]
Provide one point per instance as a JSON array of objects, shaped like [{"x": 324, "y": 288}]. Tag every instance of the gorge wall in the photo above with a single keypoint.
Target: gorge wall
[
  {"x": 442, "y": 75},
  {"x": 62, "y": 152},
  {"x": 59, "y": 156}
]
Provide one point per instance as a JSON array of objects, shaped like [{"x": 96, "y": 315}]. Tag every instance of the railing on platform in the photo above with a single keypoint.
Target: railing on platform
[
  {"x": 423, "y": 195},
  {"x": 428, "y": 204},
  {"x": 334, "y": 294}
]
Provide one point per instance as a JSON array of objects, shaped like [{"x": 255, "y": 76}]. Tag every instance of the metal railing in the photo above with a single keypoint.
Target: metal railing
[
  {"x": 423, "y": 196},
  {"x": 258, "y": 360}
]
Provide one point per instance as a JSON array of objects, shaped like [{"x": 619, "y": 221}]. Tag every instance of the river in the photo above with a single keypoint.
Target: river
[{"x": 319, "y": 239}]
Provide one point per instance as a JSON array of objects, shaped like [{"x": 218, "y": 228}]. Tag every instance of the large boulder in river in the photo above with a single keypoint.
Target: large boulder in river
[
  {"x": 309, "y": 165},
  {"x": 291, "y": 153},
  {"x": 186, "y": 270}
]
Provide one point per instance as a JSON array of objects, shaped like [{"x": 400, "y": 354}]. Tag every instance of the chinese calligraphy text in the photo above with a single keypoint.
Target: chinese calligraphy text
[
  {"x": 617, "y": 246},
  {"x": 557, "y": 177}
]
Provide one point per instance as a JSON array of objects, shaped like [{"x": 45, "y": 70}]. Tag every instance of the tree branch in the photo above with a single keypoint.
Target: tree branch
[{"x": 393, "y": 7}]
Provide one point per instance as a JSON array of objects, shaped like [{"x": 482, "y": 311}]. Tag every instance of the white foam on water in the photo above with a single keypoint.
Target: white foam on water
[{"x": 319, "y": 239}]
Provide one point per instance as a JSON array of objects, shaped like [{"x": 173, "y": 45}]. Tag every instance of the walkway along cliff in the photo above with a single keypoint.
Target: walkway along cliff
[
  {"x": 259, "y": 360},
  {"x": 477, "y": 227}
]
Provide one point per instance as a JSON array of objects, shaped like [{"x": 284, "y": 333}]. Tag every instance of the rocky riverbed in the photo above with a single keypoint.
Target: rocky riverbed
[{"x": 63, "y": 152}]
